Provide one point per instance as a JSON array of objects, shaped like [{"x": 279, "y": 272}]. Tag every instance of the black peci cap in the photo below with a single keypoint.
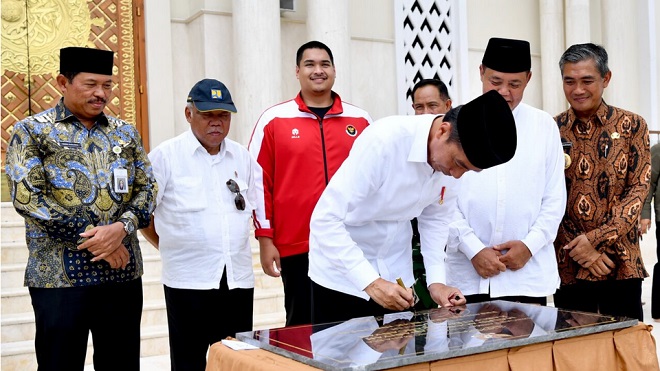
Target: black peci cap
[
  {"x": 507, "y": 55},
  {"x": 487, "y": 130},
  {"x": 77, "y": 59}
]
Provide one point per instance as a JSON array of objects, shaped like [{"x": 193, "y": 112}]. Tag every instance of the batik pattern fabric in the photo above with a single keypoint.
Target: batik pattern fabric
[
  {"x": 61, "y": 181},
  {"x": 607, "y": 182}
]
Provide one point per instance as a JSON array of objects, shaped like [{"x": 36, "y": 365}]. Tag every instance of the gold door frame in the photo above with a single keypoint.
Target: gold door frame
[{"x": 33, "y": 31}]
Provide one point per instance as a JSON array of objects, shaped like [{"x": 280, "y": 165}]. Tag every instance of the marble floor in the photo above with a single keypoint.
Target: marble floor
[{"x": 158, "y": 363}]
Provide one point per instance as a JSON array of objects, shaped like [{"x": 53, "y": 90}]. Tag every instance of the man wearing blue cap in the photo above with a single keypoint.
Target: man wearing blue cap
[
  {"x": 501, "y": 244},
  {"x": 65, "y": 166},
  {"x": 201, "y": 227}
]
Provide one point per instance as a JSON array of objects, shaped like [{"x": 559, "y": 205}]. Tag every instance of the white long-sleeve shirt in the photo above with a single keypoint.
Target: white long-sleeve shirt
[
  {"x": 525, "y": 200},
  {"x": 201, "y": 231},
  {"x": 360, "y": 228}
]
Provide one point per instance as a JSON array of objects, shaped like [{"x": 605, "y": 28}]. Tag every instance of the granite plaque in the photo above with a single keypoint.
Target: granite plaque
[{"x": 376, "y": 343}]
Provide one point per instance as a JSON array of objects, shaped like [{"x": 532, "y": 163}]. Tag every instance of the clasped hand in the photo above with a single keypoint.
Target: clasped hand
[
  {"x": 105, "y": 243},
  {"x": 584, "y": 254},
  {"x": 490, "y": 261}
]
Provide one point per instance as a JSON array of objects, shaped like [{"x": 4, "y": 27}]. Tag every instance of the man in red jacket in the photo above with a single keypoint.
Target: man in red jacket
[{"x": 300, "y": 144}]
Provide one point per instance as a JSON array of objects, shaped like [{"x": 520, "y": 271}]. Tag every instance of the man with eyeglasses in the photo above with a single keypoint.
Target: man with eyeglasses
[
  {"x": 201, "y": 226},
  {"x": 400, "y": 168}
]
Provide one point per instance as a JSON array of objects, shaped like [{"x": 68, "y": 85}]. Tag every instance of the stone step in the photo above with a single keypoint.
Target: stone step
[
  {"x": 17, "y": 299},
  {"x": 12, "y": 275},
  {"x": 264, "y": 281},
  {"x": 8, "y": 213},
  {"x": 268, "y": 301},
  {"x": 12, "y": 279},
  {"x": 17, "y": 318},
  {"x": 19, "y": 325},
  {"x": 13, "y": 252},
  {"x": 13, "y": 232},
  {"x": 270, "y": 320},
  {"x": 20, "y": 355},
  {"x": 17, "y": 251}
]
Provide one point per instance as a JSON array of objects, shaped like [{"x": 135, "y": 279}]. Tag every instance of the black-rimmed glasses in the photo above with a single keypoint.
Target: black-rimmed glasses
[{"x": 239, "y": 201}]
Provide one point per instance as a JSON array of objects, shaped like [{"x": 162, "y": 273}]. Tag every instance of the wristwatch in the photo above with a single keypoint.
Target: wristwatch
[{"x": 129, "y": 226}]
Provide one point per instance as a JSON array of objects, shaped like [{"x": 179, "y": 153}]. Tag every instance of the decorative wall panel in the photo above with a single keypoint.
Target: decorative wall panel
[
  {"x": 33, "y": 31},
  {"x": 425, "y": 46}
]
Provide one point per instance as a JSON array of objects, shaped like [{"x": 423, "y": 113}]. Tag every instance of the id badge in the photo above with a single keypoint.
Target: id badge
[{"x": 121, "y": 180}]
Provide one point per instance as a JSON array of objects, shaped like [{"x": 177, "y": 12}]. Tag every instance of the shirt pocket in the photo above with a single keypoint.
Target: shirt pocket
[{"x": 189, "y": 194}]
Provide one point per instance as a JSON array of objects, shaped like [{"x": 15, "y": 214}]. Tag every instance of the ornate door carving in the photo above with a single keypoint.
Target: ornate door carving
[{"x": 33, "y": 31}]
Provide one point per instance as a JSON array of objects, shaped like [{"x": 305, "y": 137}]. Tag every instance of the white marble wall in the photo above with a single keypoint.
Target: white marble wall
[
  {"x": 199, "y": 41},
  {"x": 160, "y": 72}
]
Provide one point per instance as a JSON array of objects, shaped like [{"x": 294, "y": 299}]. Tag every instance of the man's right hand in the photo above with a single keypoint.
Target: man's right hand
[
  {"x": 392, "y": 336},
  {"x": 269, "y": 255},
  {"x": 390, "y": 295},
  {"x": 601, "y": 266},
  {"x": 487, "y": 262},
  {"x": 118, "y": 258}
]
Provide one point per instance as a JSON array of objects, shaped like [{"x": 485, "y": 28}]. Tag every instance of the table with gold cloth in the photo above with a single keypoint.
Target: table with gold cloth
[{"x": 629, "y": 349}]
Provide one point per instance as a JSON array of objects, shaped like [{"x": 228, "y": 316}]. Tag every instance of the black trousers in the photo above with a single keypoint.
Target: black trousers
[
  {"x": 655, "y": 287},
  {"x": 333, "y": 306},
  {"x": 611, "y": 297},
  {"x": 198, "y": 318},
  {"x": 297, "y": 289},
  {"x": 64, "y": 318},
  {"x": 480, "y": 298}
]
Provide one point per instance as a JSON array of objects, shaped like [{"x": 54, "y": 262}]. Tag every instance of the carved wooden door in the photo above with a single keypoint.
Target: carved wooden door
[{"x": 33, "y": 31}]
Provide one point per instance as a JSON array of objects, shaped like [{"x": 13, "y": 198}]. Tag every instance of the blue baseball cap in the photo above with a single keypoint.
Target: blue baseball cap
[{"x": 211, "y": 95}]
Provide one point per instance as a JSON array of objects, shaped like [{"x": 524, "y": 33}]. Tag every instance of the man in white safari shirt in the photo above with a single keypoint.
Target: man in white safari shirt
[{"x": 201, "y": 226}]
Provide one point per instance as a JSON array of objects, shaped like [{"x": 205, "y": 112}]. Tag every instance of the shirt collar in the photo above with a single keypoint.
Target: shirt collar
[
  {"x": 335, "y": 109},
  {"x": 603, "y": 113},
  {"x": 419, "y": 149},
  {"x": 63, "y": 114},
  {"x": 192, "y": 145}
]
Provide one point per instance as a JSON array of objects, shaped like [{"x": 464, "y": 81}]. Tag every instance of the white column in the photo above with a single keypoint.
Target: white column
[
  {"x": 328, "y": 22},
  {"x": 653, "y": 120},
  {"x": 257, "y": 60},
  {"x": 160, "y": 74},
  {"x": 621, "y": 41},
  {"x": 578, "y": 22},
  {"x": 551, "y": 15}
]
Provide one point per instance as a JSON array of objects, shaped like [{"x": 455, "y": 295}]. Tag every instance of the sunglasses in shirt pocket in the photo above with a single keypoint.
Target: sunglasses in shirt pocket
[{"x": 243, "y": 186}]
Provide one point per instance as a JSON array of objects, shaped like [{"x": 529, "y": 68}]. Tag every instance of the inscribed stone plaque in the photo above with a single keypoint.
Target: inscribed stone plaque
[{"x": 376, "y": 343}]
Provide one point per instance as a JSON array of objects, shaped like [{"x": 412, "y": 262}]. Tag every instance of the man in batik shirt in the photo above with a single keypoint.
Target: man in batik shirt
[
  {"x": 83, "y": 183},
  {"x": 607, "y": 178}
]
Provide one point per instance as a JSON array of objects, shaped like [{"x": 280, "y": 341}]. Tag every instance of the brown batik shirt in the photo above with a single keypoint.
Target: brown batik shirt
[{"x": 607, "y": 183}]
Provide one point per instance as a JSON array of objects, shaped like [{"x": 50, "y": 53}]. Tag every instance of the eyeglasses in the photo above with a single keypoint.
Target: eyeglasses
[{"x": 239, "y": 201}]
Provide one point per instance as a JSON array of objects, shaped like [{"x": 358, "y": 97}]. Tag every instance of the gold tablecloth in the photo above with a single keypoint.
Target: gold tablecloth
[{"x": 629, "y": 349}]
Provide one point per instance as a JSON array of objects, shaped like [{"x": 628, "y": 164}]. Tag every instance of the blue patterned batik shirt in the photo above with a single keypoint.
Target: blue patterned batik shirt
[{"x": 61, "y": 179}]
